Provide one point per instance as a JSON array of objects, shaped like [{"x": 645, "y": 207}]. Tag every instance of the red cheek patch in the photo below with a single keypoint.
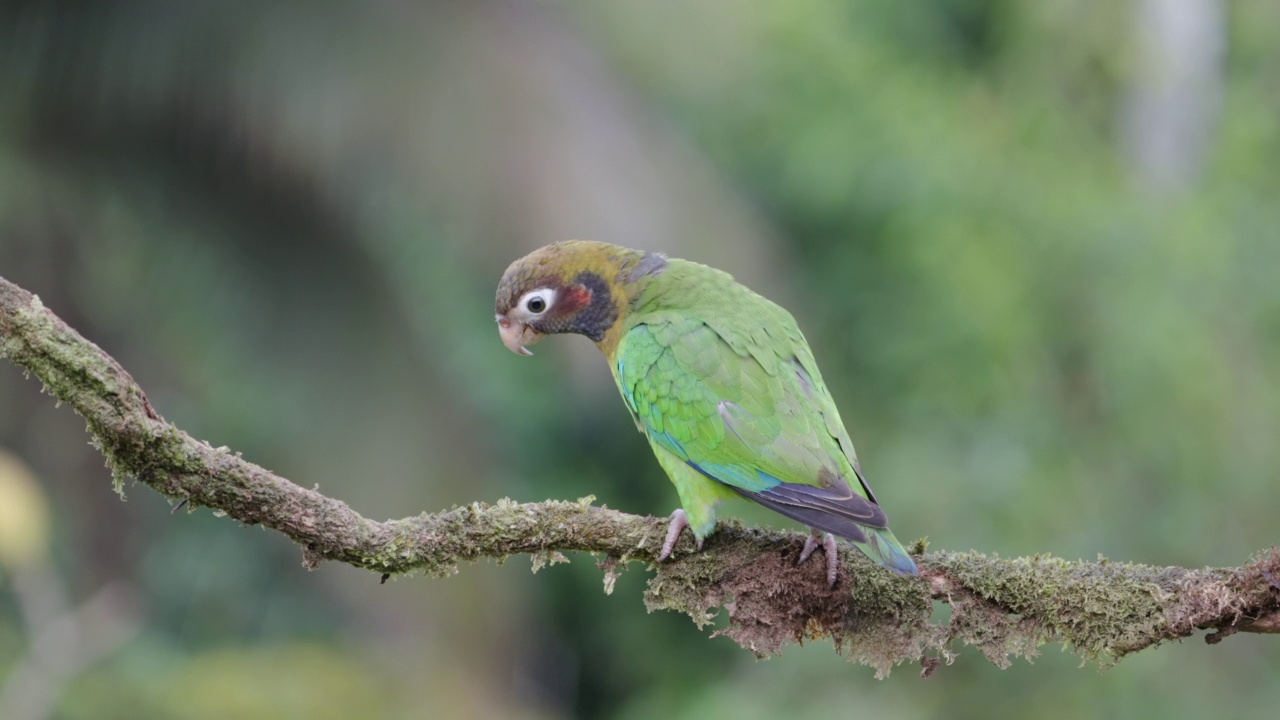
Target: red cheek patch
[{"x": 574, "y": 298}]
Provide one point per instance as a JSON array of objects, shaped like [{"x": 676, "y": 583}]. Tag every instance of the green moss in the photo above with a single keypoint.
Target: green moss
[
  {"x": 1101, "y": 610},
  {"x": 873, "y": 616},
  {"x": 1003, "y": 607}
]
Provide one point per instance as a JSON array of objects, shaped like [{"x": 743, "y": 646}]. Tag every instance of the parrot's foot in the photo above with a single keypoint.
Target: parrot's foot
[
  {"x": 679, "y": 521},
  {"x": 828, "y": 543}
]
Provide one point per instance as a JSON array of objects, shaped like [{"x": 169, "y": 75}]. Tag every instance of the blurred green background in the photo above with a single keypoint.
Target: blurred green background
[{"x": 1034, "y": 247}]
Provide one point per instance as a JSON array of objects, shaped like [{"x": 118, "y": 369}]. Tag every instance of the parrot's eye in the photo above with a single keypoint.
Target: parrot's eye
[{"x": 536, "y": 302}]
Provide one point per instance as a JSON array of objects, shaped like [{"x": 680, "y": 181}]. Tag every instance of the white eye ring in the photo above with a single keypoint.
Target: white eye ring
[{"x": 537, "y": 302}]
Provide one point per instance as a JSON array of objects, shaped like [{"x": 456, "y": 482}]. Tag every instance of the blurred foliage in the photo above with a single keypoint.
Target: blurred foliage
[
  {"x": 24, "y": 515},
  {"x": 252, "y": 683},
  {"x": 287, "y": 221}
]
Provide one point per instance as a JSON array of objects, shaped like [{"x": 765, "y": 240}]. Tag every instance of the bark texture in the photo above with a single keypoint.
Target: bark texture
[{"x": 1005, "y": 607}]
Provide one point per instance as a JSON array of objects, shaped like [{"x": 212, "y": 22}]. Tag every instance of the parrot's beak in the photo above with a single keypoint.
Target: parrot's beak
[{"x": 515, "y": 335}]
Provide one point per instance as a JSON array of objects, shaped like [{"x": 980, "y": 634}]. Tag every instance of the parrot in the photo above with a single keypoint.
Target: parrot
[{"x": 718, "y": 378}]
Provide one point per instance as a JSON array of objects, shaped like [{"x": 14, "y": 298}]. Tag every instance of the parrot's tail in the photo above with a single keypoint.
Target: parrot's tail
[{"x": 885, "y": 549}]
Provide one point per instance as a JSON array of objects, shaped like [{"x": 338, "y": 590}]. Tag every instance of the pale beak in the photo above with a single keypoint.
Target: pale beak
[{"x": 515, "y": 335}]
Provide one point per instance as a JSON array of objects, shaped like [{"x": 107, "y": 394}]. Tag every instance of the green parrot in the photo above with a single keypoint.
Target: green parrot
[{"x": 718, "y": 378}]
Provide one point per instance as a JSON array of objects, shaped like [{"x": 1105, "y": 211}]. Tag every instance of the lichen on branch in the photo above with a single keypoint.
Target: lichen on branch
[{"x": 1005, "y": 607}]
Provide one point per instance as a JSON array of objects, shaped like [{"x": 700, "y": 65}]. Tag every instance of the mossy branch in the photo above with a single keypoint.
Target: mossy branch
[{"x": 1004, "y": 607}]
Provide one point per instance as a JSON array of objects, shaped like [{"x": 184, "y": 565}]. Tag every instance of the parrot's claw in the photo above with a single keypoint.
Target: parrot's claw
[
  {"x": 679, "y": 521},
  {"x": 828, "y": 543}
]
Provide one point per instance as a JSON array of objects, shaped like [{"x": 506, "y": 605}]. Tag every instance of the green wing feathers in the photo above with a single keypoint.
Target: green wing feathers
[{"x": 723, "y": 380}]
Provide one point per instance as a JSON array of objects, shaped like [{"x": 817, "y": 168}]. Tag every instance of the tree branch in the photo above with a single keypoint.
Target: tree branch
[{"x": 1004, "y": 607}]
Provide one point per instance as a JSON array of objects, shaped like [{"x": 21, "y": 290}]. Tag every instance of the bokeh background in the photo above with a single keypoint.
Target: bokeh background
[{"x": 1034, "y": 247}]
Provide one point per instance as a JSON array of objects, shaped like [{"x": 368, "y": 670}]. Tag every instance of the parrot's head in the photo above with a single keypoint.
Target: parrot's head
[{"x": 569, "y": 287}]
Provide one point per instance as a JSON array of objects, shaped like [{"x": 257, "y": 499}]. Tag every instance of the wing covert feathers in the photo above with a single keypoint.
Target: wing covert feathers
[{"x": 724, "y": 380}]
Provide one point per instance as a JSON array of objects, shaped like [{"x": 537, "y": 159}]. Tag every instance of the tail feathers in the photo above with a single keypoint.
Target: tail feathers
[
  {"x": 885, "y": 549},
  {"x": 875, "y": 540}
]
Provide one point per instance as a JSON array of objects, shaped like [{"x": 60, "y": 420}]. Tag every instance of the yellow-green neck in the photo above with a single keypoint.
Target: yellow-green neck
[{"x": 624, "y": 271}]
